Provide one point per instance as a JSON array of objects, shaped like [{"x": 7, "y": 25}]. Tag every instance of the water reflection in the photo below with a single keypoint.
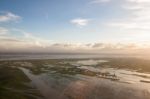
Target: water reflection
[
  {"x": 75, "y": 79},
  {"x": 90, "y": 62},
  {"x": 54, "y": 85},
  {"x": 84, "y": 87}
]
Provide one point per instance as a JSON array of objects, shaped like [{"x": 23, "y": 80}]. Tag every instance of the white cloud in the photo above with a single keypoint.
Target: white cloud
[
  {"x": 100, "y": 1},
  {"x": 138, "y": 18},
  {"x": 80, "y": 22},
  {"x": 3, "y": 31},
  {"x": 30, "y": 43},
  {"x": 8, "y": 16},
  {"x": 138, "y": 1},
  {"x": 23, "y": 42}
]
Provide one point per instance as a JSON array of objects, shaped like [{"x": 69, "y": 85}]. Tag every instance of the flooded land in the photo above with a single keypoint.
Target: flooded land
[{"x": 86, "y": 78}]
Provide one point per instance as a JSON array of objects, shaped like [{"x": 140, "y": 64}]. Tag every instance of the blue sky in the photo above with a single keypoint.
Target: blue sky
[{"x": 42, "y": 23}]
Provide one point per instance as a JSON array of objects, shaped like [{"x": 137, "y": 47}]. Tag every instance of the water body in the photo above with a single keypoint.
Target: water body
[{"x": 84, "y": 78}]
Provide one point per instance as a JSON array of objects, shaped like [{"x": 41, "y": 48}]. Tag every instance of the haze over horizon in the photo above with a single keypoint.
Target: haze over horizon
[
  {"x": 75, "y": 26},
  {"x": 74, "y": 49}
]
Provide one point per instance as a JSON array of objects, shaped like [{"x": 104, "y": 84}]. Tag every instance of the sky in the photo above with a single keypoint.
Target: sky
[{"x": 74, "y": 26}]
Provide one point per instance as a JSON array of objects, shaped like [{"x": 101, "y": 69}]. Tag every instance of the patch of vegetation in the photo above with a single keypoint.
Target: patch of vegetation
[
  {"x": 14, "y": 84},
  {"x": 140, "y": 65}
]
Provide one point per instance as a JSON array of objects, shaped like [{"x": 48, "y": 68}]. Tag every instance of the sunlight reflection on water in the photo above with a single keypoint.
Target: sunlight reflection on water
[{"x": 55, "y": 86}]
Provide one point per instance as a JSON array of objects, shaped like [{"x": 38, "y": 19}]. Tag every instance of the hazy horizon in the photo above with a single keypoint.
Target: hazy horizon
[{"x": 74, "y": 49}]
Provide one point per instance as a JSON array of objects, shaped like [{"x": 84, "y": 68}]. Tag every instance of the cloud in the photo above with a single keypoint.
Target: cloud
[
  {"x": 22, "y": 42},
  {"x": 27, "y": 42},
  {"x": 3, "y": 31},
  {"x": 30, "y": 43},
  {"x": 138, "y": 18},
  {"x": 8, "y": 16},
  {"x": 80, "y": 22},
  {"x": 8, "y": 39},
  {"x": 99, "y": 1},
  {"x": 98, "y": 45},
  {"x": 32, "y": 40}
]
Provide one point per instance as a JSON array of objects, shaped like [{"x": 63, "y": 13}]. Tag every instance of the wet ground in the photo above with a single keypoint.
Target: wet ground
[{"x": 100, "y": 78}]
